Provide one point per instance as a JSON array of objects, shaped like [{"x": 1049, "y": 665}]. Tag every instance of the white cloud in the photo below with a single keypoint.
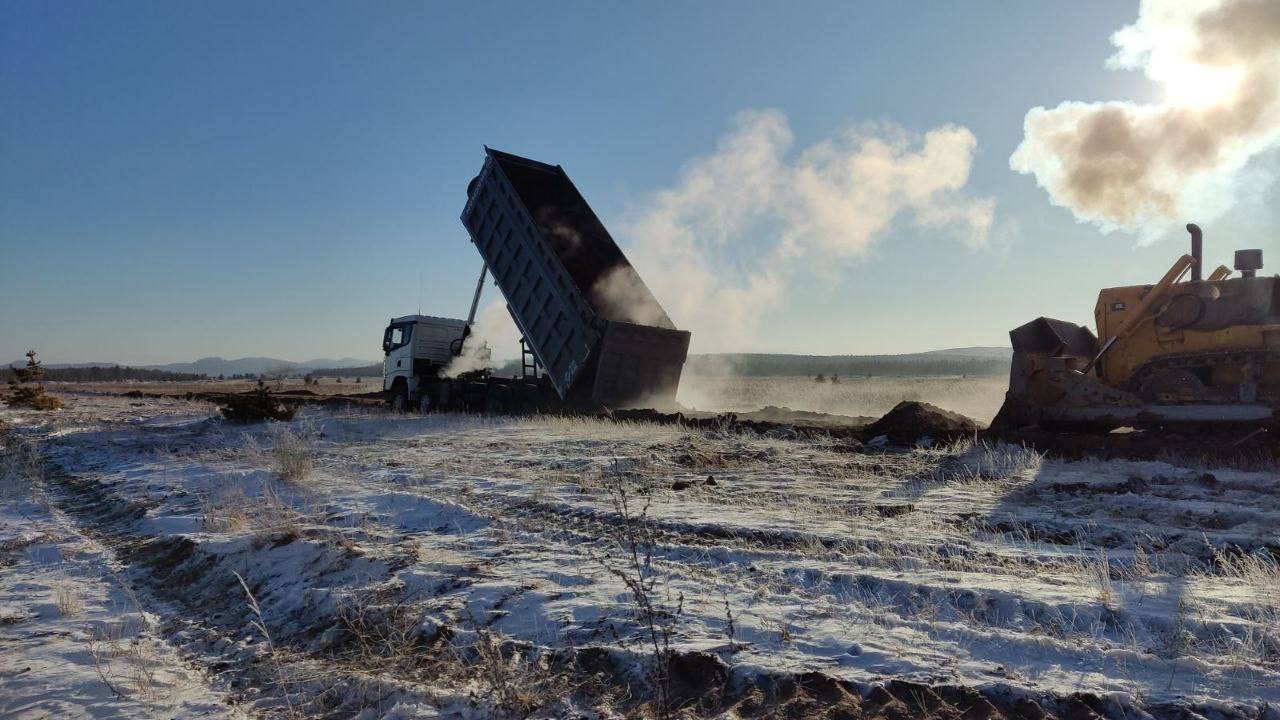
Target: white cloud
[{"x": 1146, "y": 168}]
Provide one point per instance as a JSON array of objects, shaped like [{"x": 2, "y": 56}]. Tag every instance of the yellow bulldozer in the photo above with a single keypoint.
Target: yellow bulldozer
[{"x": 1193, "y": 352}]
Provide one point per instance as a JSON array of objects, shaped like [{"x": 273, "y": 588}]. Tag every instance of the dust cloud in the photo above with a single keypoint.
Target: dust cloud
[
  {"x": 978, "y": 397},
  {"x": 620, "y": 294},
  {"x": 723, "y": 244},
  {"x": 1147, "y": 168}
]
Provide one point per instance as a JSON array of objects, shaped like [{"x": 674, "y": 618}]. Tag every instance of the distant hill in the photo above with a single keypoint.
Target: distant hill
[
  {"x": 1003, "y": 353},
  {"x": 374, "y": 370},
  {"x": 213, "y": 366}
]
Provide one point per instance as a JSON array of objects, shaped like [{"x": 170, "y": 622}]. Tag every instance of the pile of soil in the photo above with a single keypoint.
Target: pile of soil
[
  {"x": 256, "y": 406},
  {"x": 909, "y": 422}
]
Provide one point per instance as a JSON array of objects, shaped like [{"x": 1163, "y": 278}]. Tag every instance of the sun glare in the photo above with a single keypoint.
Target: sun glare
[{"x": 1200, "y": 85}]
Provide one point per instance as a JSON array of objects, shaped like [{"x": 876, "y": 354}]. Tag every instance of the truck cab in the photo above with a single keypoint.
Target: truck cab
[{"x": 415, "y": 349}]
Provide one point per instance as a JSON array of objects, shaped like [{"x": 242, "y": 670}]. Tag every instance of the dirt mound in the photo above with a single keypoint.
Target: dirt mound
[
  {"x": 909, "y": 422},
  {"x": 256, "y": 406},
  {"x": 776, "y": 414}
]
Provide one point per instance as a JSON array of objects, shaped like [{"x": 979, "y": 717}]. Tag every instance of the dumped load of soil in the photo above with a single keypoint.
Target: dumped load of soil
[
  {"x": 256, "y": 406},
  {"x": 910, "y": 422}
]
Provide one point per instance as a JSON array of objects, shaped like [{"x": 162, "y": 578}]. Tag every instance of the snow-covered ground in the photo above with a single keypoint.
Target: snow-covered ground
[
  {"x": 1142, "y": 584},
  {"x": 75, "y": 640}
]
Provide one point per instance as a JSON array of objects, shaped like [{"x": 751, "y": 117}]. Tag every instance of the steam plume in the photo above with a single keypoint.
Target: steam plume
[
  {"x": 720, "y": 246},
  {"x": 1144, "y": 168},
  {"x": 493, "y": 331}
]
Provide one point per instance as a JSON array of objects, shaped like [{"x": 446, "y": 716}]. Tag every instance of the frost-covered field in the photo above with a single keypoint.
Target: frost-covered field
[{"x": 445, "y": 566}]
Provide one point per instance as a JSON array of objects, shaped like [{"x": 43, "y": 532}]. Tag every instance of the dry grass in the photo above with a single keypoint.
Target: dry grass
[
  {"x": 515, "y": 679},
  {"x": 385, "y": 643},
  {"x": 276, "y": 516},
  {"x": 66, "y": 598},
  {"x": 227, "y": 509},
  {"x": 385, "y": 633},
  {"x": 259, "y": 623},
  {"x": 1258, "y": 574},
  {"x": 293, "y": 453},
  {"x": 1100, "y": 573},
  {"x": 1246, "y": 461},
  {"x": 21, "y": 471},
  {"x": 126, "y": 665}
]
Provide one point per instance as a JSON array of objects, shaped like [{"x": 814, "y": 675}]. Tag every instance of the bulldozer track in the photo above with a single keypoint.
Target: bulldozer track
[{"x": 1188, "y": 361}]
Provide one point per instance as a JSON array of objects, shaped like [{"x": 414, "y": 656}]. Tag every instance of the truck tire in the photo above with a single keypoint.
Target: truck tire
[{"x": 398, "y": 397}]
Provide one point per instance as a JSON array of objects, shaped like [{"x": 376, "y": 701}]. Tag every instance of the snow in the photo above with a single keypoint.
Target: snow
[
  {"x": 988, "y": 567},
  {"x": 73, "y": 642}
]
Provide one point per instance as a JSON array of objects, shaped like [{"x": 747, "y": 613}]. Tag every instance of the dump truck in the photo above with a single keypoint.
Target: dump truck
[
  {"x": 1203, "y": 351},
  {"x": 593, "y": 334}
]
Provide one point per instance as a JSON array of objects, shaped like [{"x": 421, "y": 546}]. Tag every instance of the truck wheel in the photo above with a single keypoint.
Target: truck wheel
[{"x": 398, "y": 400}]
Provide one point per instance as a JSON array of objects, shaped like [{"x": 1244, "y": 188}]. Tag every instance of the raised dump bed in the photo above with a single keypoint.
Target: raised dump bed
[{"x": 589, "y": 319}]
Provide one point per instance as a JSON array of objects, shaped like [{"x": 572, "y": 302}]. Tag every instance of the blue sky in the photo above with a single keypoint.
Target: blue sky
[{"x": 181, "y": 179}]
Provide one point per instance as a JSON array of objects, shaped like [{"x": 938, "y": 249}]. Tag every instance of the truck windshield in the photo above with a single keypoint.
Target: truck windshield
[{"x": 396, "y": 336}]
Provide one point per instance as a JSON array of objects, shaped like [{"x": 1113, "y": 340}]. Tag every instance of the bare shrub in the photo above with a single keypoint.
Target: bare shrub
[
  {"x": 514, "y": 678},
  {"x": 384, "y": 635},
  {"x": 658, "y": 613}
]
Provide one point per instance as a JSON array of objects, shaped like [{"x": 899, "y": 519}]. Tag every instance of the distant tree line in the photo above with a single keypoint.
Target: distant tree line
[
  {"x": 846, "y": 367},
  {"x": 362, "y": 371},
  {"x": 112, "y": 373}
]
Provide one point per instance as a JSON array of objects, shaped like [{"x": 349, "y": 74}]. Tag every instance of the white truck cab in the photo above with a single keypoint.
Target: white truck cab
[{"x": 416, "y": 348}]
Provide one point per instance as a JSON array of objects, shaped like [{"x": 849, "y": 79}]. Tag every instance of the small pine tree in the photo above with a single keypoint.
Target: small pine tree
[
  {"x": 357, "y": 379},
  {"x": 26, "y": 388},
  {"x": 820, "y": 378},
  {"x": 339, "y": 381},
  {"x": 835, "y": 379},
  {"x": 308, "y": 379}
]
